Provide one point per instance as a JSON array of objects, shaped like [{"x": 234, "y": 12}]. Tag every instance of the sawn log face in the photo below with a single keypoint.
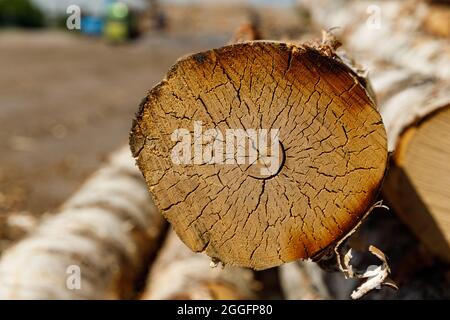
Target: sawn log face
[{"x": 331, "y": 138}]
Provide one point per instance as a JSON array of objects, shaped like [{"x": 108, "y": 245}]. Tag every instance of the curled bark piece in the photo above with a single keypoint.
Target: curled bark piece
[
  {"x": 179, "y": 273},
  {"x": 302, "y": 280},
  {"x": 417, "y": 274},
  {"x": 94, "y": 247},
  {"x": 374, "y": 276},
  {"x": 324, "y": 170}
]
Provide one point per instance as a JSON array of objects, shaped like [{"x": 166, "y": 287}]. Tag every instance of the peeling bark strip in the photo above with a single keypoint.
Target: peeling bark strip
[
  {"x": 179, "y": 273},
  {"x": 104, "y": 233},
  {"x": 332, "y": 138}
]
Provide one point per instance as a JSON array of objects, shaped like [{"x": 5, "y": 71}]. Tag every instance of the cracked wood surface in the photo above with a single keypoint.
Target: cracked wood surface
[
  {"x": 334, "y": 144},
  {"x": 416, "y": 113},
  {"x": 410, "y": 74}
]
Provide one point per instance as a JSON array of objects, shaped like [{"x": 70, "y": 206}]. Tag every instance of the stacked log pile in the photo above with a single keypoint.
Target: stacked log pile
[
  {"x": 261, "y": 154},
  {"x": 411, "y": 79},
  {"x": 95, "y": 247}
]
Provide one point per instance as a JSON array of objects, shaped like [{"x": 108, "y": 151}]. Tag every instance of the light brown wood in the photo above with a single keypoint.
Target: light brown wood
[
  {"x": 332, "y": 160},
  {"x": 415, "y": 112},
  {"x": 418, "y": 186},
  {"x": 105, "y": 234},
  {"x": 437, "y": 20},
  {"x": 179, "y": 273},
  {"x": 409, "y": 71}
]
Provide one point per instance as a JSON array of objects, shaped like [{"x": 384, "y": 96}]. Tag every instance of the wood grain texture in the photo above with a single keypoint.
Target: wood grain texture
[
  {"x": 410, "y": 71},
  {"x": 418, "y": 185},
  {"x": 332, "y": 139},
  {"x": 415, "y": 111}
]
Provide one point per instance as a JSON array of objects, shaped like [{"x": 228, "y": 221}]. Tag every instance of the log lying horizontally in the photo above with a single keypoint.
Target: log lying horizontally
[
  {"x": 389, "y": 30},
  {"x": 249, "y": 206},
  {"x": 94, "y": 247},
  {"x": 414, "y": 100},
  {"x": 415, "y": 109},
  {"x": 179, "y": 273},
  {"x": 416, "y": 113}
]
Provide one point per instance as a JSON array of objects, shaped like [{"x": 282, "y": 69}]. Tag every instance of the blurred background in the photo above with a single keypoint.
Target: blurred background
[
  {"x": 67, "y": 97},
  {"x": 69, "y": 88}
]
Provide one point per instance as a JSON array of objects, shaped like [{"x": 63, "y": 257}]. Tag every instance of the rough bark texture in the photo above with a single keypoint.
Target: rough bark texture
[
  {"x": 390, "y": 30},
  {"x": 405, "y": 97},
  {"x": 108, "y": 229},
  {"x": 415, "y": 110},
  {"x": 332, "y": 151},
  {"x": 416, "y": 113},
  {"x": 179, "y": 273}
]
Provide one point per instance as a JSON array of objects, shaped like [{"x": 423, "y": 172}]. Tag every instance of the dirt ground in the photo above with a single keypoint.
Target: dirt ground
[{"x": 66, "y": 101}]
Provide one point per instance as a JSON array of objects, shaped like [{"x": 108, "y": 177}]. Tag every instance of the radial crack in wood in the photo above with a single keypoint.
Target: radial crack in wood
[{"x": 326, "y": 168}]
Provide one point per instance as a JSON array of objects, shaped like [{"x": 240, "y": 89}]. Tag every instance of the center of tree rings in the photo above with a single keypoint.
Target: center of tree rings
[
  {"x": 260, "y": 153},
  {"x": 268, "y": 164}
]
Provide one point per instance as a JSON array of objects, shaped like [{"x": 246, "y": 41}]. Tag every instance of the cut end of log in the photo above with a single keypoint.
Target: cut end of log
[
  {"x": 309, "y": 164},
  {"x": 419, "y": 184}
]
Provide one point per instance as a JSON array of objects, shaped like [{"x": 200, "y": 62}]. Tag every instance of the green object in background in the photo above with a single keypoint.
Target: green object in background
[
  {"x": 20, "y": 13},
  {"x": 115, "y": 31},
  {"x": 118, "y": 10},
  {"x": 117, "y": 24}
]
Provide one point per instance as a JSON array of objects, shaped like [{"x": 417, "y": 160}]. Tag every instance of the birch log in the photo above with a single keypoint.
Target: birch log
[
  {"x": 179, "y": 273},
  {"x": 250, "y": 206},
  {"x": 389, "y": 30},
  {"x": 416, "y": 113},
  {"x": 94, "y": 247},
  {"x": 413, "y": 97}
]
